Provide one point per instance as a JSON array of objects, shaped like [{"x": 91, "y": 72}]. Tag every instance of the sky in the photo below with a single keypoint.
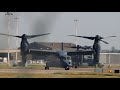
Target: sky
[{"x": 61, "y": 24}]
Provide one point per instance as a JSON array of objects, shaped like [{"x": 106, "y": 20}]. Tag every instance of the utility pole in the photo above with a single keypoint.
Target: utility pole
[
  {"x": 8, "y": 14},
  {"x": 76, "y": 22},
  {"x": 16, "y": 38}
]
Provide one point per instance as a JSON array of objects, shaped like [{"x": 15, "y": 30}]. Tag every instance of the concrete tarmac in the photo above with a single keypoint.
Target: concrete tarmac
[{"x": 53, "y": 70}]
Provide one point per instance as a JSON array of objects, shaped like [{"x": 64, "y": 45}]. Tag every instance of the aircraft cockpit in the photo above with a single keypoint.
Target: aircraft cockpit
[
  {"x": 68, "y": 57},
  {"x": 68, "y": 60}
]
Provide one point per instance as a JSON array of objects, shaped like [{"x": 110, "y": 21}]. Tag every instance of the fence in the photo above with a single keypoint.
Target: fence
[{"x": 110, "y": 58}]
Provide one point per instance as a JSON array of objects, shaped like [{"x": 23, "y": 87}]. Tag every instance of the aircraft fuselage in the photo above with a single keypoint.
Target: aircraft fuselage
[{"x": 24, "y": 46}]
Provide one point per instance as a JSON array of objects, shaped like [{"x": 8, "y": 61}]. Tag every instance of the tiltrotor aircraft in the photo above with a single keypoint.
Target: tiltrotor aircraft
[
  {"x": 25, "y": 46},
  {"x": 96, "y": 45}
]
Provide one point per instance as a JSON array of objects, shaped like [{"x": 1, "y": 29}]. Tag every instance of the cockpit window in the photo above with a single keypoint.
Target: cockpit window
[
  {"x": 68, "y": 58},
  {"x": 63, "y": 58}
]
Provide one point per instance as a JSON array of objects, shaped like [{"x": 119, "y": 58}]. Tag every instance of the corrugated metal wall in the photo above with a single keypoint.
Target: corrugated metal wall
[{"x": 110, "y": 58}]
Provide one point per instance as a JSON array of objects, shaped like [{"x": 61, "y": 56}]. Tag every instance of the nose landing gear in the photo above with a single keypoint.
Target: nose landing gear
[{"x": 67, "y": 68}]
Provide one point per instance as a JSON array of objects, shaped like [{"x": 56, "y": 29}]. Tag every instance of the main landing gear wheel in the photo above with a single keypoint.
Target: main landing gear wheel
[
  {"x": 75, "y": 66},
  {"x": 46, "y": 68}
]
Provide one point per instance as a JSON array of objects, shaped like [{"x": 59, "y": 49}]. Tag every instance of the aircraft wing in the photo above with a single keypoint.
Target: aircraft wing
[
  {"x": 80, "y": 52},
  {"x": 43, "y": 52}
]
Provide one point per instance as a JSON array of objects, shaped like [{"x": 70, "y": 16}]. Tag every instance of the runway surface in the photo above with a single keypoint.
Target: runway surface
[{"x": 51, "y": 70}]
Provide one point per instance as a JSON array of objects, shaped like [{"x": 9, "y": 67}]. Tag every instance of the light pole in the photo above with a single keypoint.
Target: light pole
[
  {"x": 16, "y": 38},
  {"x": 76, "y": 22},
  {"x": 8, "y": 14},
  {"x": 76, "y": 29}
]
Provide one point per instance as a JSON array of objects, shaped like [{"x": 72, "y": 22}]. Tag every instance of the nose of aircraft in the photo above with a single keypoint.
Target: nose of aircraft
[{"x": 69, "y": 63}]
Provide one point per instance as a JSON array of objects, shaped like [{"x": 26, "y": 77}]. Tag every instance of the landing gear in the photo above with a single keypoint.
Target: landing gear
[
  {"x": 75, "y": 66},
  {"x": 46, "y": 68},
  {"x": 67, "y": 68}
]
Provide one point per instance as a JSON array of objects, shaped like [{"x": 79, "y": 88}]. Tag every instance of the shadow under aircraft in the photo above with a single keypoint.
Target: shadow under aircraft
[
  {"x": 96, "y": 46},
  {"x": 25, "y": 46}
]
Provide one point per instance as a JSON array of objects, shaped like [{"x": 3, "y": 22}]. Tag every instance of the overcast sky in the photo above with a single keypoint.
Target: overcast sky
[{"x": 61, "y": 24}]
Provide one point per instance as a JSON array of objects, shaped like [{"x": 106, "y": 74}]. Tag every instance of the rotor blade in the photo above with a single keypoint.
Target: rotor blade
[
  {"x": 109, "y": 37},
  {"x": 91, "y": 38},
  {"x": 10, "y": 35},
  {"x": 32, "y": 36},
  {"x": 104, "y": 42}
]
